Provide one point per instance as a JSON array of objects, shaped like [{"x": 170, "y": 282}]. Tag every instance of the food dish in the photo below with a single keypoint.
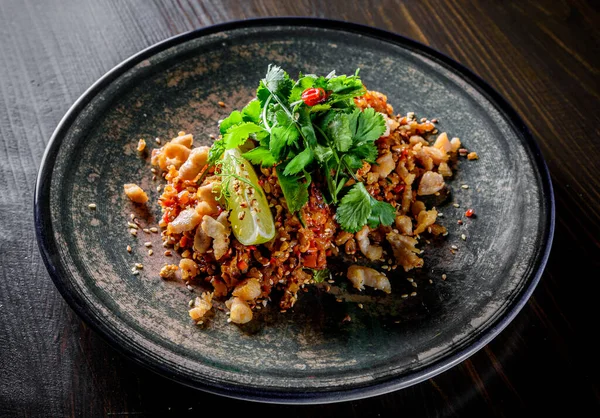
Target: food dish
[
  {"x": 301, "y": 356},
  {"x": 279, "y": 202}
]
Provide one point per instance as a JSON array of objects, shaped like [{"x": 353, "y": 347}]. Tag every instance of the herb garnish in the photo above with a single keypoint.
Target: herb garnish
[{"x": 320, "y": 133}]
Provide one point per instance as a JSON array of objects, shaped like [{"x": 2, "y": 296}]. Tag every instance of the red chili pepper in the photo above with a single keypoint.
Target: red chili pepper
[
  {"x": 314, "y": 96},
  {"x": 166, "y": 217},
  {"x": 399, "y": 188},
  {"x": 469, "y": 213},
  {"x": 251, "y": 247},
  {"x": 242, "y": 265},
  {"x": 310, "y": 260},
  {"x": 183, "y": 241},
  {"x": 272, "y": 260}
]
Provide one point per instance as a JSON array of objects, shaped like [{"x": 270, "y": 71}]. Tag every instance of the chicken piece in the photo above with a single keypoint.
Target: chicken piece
[
  {"x": 201, "y": 241},
  {"x": 189, "y": 268},
  {"x": 201, "y": 306},
  {"x": 405, "y": 251},
  {"x": 187, "y": 220},
  {"x": 170, "y": 154},
  {"x": 194, "y": 163},
  {"x": 218, "y": 232},
  {"x": 425, "y": 219},
  {"x": 372, "y": 252},
  {"x": 362, "y": 276},
  {"x": 168, "y": 272},
  {"x": 205, "y": 194},
  {"x": 183, "y": 139},
  {"x": 442, "y": 143},
  {"x": 248, "y": 290},
  {"x": 385, "y": 165},
  {"x": 342, "y": 237},
  {"x": 239, "y": 311},
  {"x": 135, "y": 193},
  {"x": 455, "y": 142},
  {"x": 444, "y": 170},
  {"x": 431, "y": 183},
  {"x": 404, "y": 224}
]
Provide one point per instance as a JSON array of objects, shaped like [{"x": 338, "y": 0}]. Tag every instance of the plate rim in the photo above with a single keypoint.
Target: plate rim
[{"x": 46, "y": 242}]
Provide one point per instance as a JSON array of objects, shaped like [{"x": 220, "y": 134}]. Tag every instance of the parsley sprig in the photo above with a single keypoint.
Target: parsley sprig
[{"x": 330, "y": 140}]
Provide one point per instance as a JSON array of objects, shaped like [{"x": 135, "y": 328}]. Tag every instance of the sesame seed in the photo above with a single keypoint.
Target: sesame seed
[
  {"x": 92, "y": 206},
  {"x": 150, "y": 252},
  {"x": 454, "y": 247},
  {"x": 133, "y": 232},
  {"x": 146, "y": 230},
  {"x": 456, "y": 205},
  {"x": 139, "y": 265},
  {"x": 153, "y": 170},
  {"x": 465, "y": 186},
  {"x": 190, "y": 288},
  {"x": 148, "y": 244},
  {"x": 154, "y": 229},
  {"x": 129, "y": 248},
  {"x": 168, "y": 253},
  {"x": 360, "y": 305},
  {"x": 440, "y": 215},
  {"x": 157, "y": 140},
  {"x": 444, "y": 277},
  {"x": 460, "y": 222},
  {"x": 430, "y": 281},
  {"x": 434, "y": 120},
  {"x": 135, "y": 273},
  {"x": 404, "y": 296},
  {"x": 211, "y": 136},
  {"x": 413, "y": 294},
  {"x": 339, "y": 300},
  {"x": 410, "y": 279},
  {"x": 132, "y": 225},
  {"x": 330, "y": 281},
  {"x": 228, "y": 320},
  {"x": 222, "y": 104},
  {"x": 414, "y": 284},
  {"x": 463, "y": 237}
]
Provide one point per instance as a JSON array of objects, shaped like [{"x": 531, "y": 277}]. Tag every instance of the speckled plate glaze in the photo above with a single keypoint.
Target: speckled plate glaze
[{"x": 307, "y": 355}]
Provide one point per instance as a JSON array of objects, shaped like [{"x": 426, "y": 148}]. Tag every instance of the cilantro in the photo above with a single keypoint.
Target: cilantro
[
  {"x": 234, "y": 119},
  {"x": 370, "y": 125},
  {"x": 319, "y": 276},
  {"x": 299, "y": 162},
  {"x": 354, "y": 209},
  {"x": 331, "y": 140},
  {"x": 382, "y": 213},
  {"x": 294, "y": 190},
  {"x": 358, "y": 207},
  {"x": 260, "y": 156},
  {"x": 251, "y": 113},
  {"x": 239, "y": 134},
  {"x": 339, "y": 132}
]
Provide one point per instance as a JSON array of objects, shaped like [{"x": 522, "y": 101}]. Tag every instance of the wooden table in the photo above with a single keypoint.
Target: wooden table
[{"x": 542, "y": 57}]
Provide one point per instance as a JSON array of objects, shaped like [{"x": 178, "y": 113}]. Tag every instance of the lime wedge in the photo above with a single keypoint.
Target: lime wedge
[{"x": 250, "y": 216}]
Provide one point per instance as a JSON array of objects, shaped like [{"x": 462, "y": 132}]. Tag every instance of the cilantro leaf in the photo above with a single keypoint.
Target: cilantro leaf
[
  {"x": 319, "y": 276},
  {"x": 306, "y": 126},
  {"x": 278, "y": 141},
  {"x": 302, "y": 84},
  {"x": 367, "y": 152},
  {"x": 339, "y": 131},
  {"x": 370, "y": 125},
  {"x": 299, "y": 162},
  {"x": 323, "y": 154},
  {"x": 216, "y": 151},
  {"x": 277, "y": 82},
  {"x": 237, "y": 135},
  {"x": 353, "y": 161},
  {"x": 294, "y": 190},
  {"x": 235, "y": 118},
  {"x": 345, "y": 85},
  {"x": 251, "y": 112},
  {"x": 382, "y": 213},
  {"x": 354, "y": 209},
  {"x": 260, "y": 156}
]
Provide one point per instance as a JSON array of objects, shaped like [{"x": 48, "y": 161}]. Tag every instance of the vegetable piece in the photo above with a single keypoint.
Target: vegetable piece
[
  {"x": 354, "y": 209},
  {"x": 314, "y": 96},
  {"x": 251, "y": 219}
]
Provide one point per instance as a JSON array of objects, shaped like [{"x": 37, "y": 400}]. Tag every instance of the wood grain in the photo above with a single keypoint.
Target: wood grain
[{"x": 542, "y": 56}]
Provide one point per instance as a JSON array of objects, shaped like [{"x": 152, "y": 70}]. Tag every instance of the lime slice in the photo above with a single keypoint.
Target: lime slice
[{"x": 250, "y": 216}]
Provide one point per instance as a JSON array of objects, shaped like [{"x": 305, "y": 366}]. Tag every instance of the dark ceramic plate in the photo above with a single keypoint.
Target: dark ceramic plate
[{"x": 307, "y": 354}]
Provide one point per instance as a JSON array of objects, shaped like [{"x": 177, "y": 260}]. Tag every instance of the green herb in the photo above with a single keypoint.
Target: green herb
[
  {"x": 329, "y": 141},
  {"x": 319, "y": 276}
]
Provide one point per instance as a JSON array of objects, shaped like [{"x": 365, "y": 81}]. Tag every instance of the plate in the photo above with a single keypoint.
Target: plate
[{"x": 309, "y": 354}]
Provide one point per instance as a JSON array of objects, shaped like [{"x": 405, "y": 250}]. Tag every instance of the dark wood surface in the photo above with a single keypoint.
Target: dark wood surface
[{"x": 542, "y": 56}]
